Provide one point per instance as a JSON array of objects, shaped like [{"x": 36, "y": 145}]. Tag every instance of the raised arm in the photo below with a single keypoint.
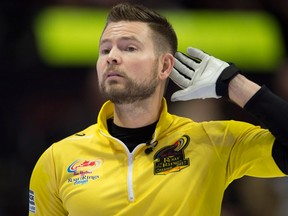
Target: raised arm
[{"x": 203, "y": 76}]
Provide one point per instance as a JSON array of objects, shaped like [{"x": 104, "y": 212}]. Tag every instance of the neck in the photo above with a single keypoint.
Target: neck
[{"x": 137, "y": 114}]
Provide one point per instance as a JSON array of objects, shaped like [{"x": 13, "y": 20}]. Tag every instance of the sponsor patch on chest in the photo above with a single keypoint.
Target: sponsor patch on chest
[
  {"x": 83, "y": 171},
  {"x": 172, "y": 158}
]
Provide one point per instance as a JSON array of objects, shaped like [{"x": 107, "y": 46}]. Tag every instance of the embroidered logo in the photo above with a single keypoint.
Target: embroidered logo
[
  {"x": 82, "y": 167},
  {"x": 82, "y": 171},
  {"x": 172, "y": 158}
]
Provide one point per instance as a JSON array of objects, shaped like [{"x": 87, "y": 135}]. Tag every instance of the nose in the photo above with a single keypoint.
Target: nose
[{"x": 114, "y": 57}]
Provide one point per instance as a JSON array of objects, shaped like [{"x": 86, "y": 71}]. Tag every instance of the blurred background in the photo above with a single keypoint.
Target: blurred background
[{"x": 48, "y": 51}]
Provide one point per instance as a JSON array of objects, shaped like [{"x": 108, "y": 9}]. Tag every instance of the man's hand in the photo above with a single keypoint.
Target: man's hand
[{"x": 200, "y": 76}]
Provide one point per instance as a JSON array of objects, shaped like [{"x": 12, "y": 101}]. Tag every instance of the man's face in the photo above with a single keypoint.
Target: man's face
[{"x": 127, "y": 67}]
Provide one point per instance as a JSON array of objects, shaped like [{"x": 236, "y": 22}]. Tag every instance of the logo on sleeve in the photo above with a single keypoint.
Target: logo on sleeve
[
  {"x": 172, "y": 158},
  {"x": 32, "y": 205}
]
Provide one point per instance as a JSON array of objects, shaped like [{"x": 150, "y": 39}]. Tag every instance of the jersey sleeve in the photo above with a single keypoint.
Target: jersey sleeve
[
  {"x": 252, "y": 154},
  {"x": 43, "y": 193},
  {"x": 244, "y": 149}
]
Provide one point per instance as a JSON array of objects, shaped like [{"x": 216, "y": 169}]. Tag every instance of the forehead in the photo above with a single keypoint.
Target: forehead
[{"x": 138, "y": 30}]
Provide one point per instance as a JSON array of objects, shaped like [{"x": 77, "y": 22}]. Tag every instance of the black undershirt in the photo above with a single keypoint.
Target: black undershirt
[{"x": 131, "y": 137}]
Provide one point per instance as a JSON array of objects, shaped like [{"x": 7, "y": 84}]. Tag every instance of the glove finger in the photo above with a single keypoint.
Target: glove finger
[
  {"x": 179, "y": 79},
  {"x": 187, "y": 60},
  {"x": 197, "y": 53},
  {"x": 183, "y": 67}
]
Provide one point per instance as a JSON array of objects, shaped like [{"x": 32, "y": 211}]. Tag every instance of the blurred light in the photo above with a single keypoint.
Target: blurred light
[
  {"x": 69, "y": 36},
  {"x": 252, "y": 40}
]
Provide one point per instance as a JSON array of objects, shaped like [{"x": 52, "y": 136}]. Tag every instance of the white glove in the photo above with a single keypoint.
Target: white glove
[{"x": 196, "y": 75}]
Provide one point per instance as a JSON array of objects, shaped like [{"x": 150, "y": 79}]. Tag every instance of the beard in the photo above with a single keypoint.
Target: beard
[{"x": 131, "y": 91}]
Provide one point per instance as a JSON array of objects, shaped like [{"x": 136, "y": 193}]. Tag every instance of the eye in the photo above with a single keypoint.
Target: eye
[
  {"x": 130, "y": 49},
  {"x": 104, "y": 51}
]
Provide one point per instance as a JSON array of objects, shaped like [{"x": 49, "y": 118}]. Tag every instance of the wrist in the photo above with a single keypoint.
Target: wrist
[{"x": 241, "y": 90}]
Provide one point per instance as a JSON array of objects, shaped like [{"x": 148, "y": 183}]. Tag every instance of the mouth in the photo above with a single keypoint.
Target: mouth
[{"x": 113, "y": 74}]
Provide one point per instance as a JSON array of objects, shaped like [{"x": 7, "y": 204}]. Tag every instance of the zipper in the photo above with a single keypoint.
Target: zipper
[{"x": 131, "y": 196}]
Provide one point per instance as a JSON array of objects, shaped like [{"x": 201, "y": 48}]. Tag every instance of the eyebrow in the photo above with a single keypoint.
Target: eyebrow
[{"x": 125, "y": 38}]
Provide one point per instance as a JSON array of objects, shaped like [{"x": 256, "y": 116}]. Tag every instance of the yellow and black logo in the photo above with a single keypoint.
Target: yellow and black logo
[{"x": 172, "y": 158}]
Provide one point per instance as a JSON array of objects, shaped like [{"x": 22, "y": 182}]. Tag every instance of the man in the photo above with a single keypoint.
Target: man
[{"x": 139, "y": 159}]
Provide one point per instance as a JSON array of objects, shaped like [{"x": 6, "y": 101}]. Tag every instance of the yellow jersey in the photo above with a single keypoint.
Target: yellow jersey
[{"x": 186, "y": 173}]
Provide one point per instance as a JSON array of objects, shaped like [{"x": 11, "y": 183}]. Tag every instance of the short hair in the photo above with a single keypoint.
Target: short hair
[{"x": 164, "y": 36}]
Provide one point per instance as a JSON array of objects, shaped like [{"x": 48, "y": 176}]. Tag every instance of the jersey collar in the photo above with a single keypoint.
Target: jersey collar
[{"x": 107, "y": 111}]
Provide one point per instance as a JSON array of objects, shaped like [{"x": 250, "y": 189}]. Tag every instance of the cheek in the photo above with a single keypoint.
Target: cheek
[
  {"x": 143, "y": 66},
  {"x": 99, "y": 68}
]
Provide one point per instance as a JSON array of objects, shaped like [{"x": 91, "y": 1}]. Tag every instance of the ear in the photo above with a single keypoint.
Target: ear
[{"x": 167, "y": 63}]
